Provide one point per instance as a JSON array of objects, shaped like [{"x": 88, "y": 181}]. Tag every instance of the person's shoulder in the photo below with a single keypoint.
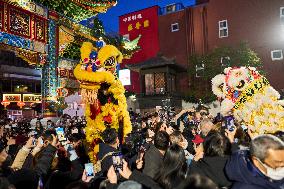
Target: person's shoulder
[{"x": 239, "y": 185}]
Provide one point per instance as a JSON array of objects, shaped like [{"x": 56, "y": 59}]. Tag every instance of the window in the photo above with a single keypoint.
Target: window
[
  {"x": 171, "y": 8},
  {"x": 225, "y": 61},
  {"x": 223, "y": 28},
  {"x": 149, "y": 84},
  {"x": 155, "y": 83},
  {"x": 160, "y": 83},
  {"x": 199, "y": 70},
  {"x": 175, "y": 27},
  {"x": 277, "y": 55},
  {"x": 282, "y": 15}
]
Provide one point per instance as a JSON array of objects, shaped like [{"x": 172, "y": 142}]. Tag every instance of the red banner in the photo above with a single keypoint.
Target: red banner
[{"x": 145, "y": 23}]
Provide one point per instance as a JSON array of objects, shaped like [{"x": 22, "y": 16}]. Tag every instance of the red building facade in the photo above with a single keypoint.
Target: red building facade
[
  {"x": 178, "y": 33},
  {"x": 260, "y": 23},
  {"x": 144, "y": 23}
]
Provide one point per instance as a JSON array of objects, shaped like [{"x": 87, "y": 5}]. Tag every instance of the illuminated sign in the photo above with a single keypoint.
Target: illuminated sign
[
  {"x": 31, "y": 98},
  {"x": 132, "y": 18},
  {"x": 15, "y": 112},
  {"x": 124, "y": 76},
  {"x": 12, "y": 97}
]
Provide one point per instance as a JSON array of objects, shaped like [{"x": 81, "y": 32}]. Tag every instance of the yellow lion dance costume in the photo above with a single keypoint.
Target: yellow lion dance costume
[
  {"x": 251, "y": 99},
  {"x": 102, "y": 92}
]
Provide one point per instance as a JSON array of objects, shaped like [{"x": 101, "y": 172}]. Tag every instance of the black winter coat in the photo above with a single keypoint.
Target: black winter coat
[
  {"x": 144, "y": 180},
  {"x": 213, "y": 168},
  {"x": 153, "y": 160},
  {"x": 107, "y": 162},
  {"x": 59, "y": 179}
]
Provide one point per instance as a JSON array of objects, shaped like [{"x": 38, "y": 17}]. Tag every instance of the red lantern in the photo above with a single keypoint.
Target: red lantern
[
  {"x": 21, "y": 104},
  {"x": 5, "y": 103}
]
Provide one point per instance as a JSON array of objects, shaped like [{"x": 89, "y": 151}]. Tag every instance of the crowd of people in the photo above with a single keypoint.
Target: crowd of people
[{"x": 190, "y": 150}]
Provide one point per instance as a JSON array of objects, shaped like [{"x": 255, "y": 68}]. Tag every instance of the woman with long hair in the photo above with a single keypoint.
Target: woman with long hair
[
  {"x": 174, "y": 168},
  {"x": 217, "y": 150}
]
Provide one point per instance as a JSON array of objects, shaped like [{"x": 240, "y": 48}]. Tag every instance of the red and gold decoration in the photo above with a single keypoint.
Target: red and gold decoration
[
  {"x": 12, "y": 97},
  {"x": 23, "y": 23},
  {"x": 5, "y": 103},
  {"x": 24, "y": 32},
  {"x": 62, "y": 92}
]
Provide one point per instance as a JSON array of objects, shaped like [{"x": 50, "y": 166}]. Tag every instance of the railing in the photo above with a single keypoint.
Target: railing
[{"x": 171, "y": 8}]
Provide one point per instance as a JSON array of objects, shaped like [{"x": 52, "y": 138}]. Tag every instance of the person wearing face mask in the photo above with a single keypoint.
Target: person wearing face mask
[{"x": 262, "y": 167}]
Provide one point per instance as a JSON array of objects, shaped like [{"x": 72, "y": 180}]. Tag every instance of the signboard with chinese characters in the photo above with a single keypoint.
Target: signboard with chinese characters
[
  {"x": 32, "y": 98},
  {"x": 144, "y": 23},
  {"x": 12, "y": 97}
]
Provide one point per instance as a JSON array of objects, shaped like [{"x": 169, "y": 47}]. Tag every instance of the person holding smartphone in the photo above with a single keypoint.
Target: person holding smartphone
[{"x": 109, "y": 146}]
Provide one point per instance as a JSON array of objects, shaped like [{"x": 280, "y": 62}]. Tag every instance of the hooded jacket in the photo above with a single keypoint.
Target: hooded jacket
[{"x": 245, "y": 175}]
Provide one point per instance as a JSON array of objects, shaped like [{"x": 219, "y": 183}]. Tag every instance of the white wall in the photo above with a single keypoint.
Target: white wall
[
  {"x": 73, "y": 102},
  {"x": 214, "y": 107}
]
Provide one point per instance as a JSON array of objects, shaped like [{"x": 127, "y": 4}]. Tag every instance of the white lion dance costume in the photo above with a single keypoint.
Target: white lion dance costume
[{"x": 251, "y": 99}]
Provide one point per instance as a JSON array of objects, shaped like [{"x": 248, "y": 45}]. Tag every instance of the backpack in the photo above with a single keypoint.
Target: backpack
[{"x": 98, "y": 164}]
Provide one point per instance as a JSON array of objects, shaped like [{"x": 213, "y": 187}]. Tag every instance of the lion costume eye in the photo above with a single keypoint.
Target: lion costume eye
[{"x": 110, "y": 62}]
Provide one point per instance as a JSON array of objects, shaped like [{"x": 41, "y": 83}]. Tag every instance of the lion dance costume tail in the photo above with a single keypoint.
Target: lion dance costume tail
[
  {"x": 248, "y": 94},
  {"x": 102, "y": 92}
]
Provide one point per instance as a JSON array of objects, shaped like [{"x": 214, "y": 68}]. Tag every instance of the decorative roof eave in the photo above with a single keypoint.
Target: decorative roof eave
[
  {"x": 76, "y": 9},
  {"x": 95, "y": 7},
  {"x": 76, "y": 28},
  {"x": 156, "y": 62}
]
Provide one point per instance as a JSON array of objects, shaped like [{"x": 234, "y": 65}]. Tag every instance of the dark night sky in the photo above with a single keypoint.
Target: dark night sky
[{"x": 110, "y": 19}]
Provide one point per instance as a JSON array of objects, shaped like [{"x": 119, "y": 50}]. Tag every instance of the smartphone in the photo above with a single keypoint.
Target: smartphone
[
  {"x": 34, "y": 142},
  {"x": 141, "y": 151},
  {"x": 60, "y": 134},
  {"x": 41, "y": 141},
  {"x": 89, "y": 167},
  {"x": 244, "y": 127},
  {"x": 117, "y": 161},
  {"x": 229, "y": 123}
]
